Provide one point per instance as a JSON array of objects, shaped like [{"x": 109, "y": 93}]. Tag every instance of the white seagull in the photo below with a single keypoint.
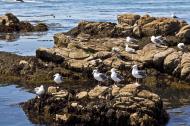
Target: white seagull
[
  {"x": 128, "y": 49},
  {"x": 131, "y": 40},
  {"x": 138, "y": 74},
  {"x": 181, "y": 46},
  {"x": 158, "y": 40},
  {"x": 58, "y": 79},
  {"x": 173, "y": 15},
  {"x": 39, "y": 90},
  {"x": 100, "y": 77},
  {"x": 115, "y": 50},
  {"x": 116, "y": 77}
]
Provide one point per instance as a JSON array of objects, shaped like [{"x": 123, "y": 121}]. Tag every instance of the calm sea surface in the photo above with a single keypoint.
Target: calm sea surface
[{"x": 67, "y": 14}]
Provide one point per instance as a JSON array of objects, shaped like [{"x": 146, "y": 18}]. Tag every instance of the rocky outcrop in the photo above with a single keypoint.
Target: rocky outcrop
[
  {"x": 132, "y": 105},
  {"x": 100, "y": 29},
  {"x": 184, "y": 34},
  {"x": 30, "y": 70},
  {"x": 165, "y": 59},
  {"x": 89, "y": 45},
  {"x": 10, "y": 23}
]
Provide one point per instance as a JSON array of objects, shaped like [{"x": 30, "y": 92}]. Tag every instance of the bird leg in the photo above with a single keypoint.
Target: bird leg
[{"x": 136, "y": 81}]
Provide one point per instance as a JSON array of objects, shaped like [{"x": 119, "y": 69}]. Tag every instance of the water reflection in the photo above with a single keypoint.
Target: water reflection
[{"x": 11, "y": 113}]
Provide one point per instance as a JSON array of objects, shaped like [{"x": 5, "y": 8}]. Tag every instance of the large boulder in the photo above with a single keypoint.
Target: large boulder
[
  {"x": 10, "y": 23},
  {"x": 185, "y": 66},
  {"x": 100, "y": 29},
  {"x": 129, "y": 105},
  {"x": 161, "y": 26},
  {"x": 172, "y": 62},
  {"x": 145, "y": 20},
  {"x": 184, "y": 34}
]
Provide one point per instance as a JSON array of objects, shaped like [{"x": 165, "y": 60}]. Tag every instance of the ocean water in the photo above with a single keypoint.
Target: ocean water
[
  {"x": 67, "y": 14},
  {"x": 11, "y": 113}
]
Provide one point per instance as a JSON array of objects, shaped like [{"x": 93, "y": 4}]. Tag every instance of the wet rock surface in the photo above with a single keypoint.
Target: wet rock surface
[
  {"x": 133, "y": 105},
  {"x": 30, "y": 70},
  {"x": 10, "y": 23}
]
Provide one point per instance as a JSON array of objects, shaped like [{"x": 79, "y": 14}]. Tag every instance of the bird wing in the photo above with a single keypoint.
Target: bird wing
[
  {"x": 36, "y": 89},
  {"x": 103, "y": 76},
  {"x": 142, "y": 72},
  {"x": 159, "y": 41},
  {"x": 134, "y": 40},
  {"x": 158, "y": 37},
  {"x": 119, "y": 76}
]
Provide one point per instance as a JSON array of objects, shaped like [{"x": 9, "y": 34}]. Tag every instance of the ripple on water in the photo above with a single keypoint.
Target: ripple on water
[{"x": 179, "y": 116}]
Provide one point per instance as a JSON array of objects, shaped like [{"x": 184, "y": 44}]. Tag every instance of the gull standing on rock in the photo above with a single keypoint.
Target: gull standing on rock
[
  {"x": 138, "y": 74},
  {"x": 158, "y": 40},
  {"x": 173, "y": 15},
  {"x": 58, "y": 79},
  {"x": 129, "y": 50},
  {"x": 39, "y": 90},
  {"x": 131, "y": 40},
  {"x": 100, "y": 77},
  {"x": 115, "y": 76},
  {"x": 181, "y": 46}
]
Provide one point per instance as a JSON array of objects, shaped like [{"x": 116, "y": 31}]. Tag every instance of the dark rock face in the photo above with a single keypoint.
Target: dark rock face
[
  {"x": 30, "y": 70},
  {"x": 130, "y": 105},
  {"x": 10, "y": 23}
]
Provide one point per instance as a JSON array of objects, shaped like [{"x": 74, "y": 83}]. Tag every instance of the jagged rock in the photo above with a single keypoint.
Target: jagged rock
[
  {"x": 129, "y": 89},
  {"x": 52, "y": 54},
  {"x": 172, "y": 61},
  {"x": 185, "y": 66},
  {"x": 128, "y": 19},
  {"x": 145, "y": 20},
  {"x": 64, "y": 117},
  {"x": 184, "y": 33},
  {"x": 82, "y": 94},
  {"x": 78, "y": 54},
  {"x": 115, "y": 90},
  {"x": 10, "y": 23},
  {"x": 137, "y": 31},
  {"x": 161, "y": 26},
  {"x": 52, "y": 90},
  {"x": 26, "y": 27},
  {"x": 61, "y": 40},
  {"x": 97, "y": 91},
  {"x": 158, "y": 58},
  {"x": 142, "y": 107},
  {"x": 41, "y": 27}
]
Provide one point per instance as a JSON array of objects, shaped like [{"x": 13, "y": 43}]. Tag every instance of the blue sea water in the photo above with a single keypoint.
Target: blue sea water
[
  {"x": 10, "y": 112},
  {"x": 67, "y": 14}
]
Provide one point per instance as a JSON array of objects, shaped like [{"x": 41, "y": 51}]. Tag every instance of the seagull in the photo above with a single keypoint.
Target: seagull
[
  {"x": 100, "y": 77},
  {"x": 39, "y": 90},
  {"x": 128, "y": 49},
  {"x": 173, "y": 15},
  {"x": 131, "y": 40},
  {"x": 58, "y": 79},
  {"x": 115, "y": 76},
  {"x": 138, "y": 74},
  {"x": 158, "y": 40},
  {"x": 182, "y": 46},
  {"x": 115, "y": 50}
]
